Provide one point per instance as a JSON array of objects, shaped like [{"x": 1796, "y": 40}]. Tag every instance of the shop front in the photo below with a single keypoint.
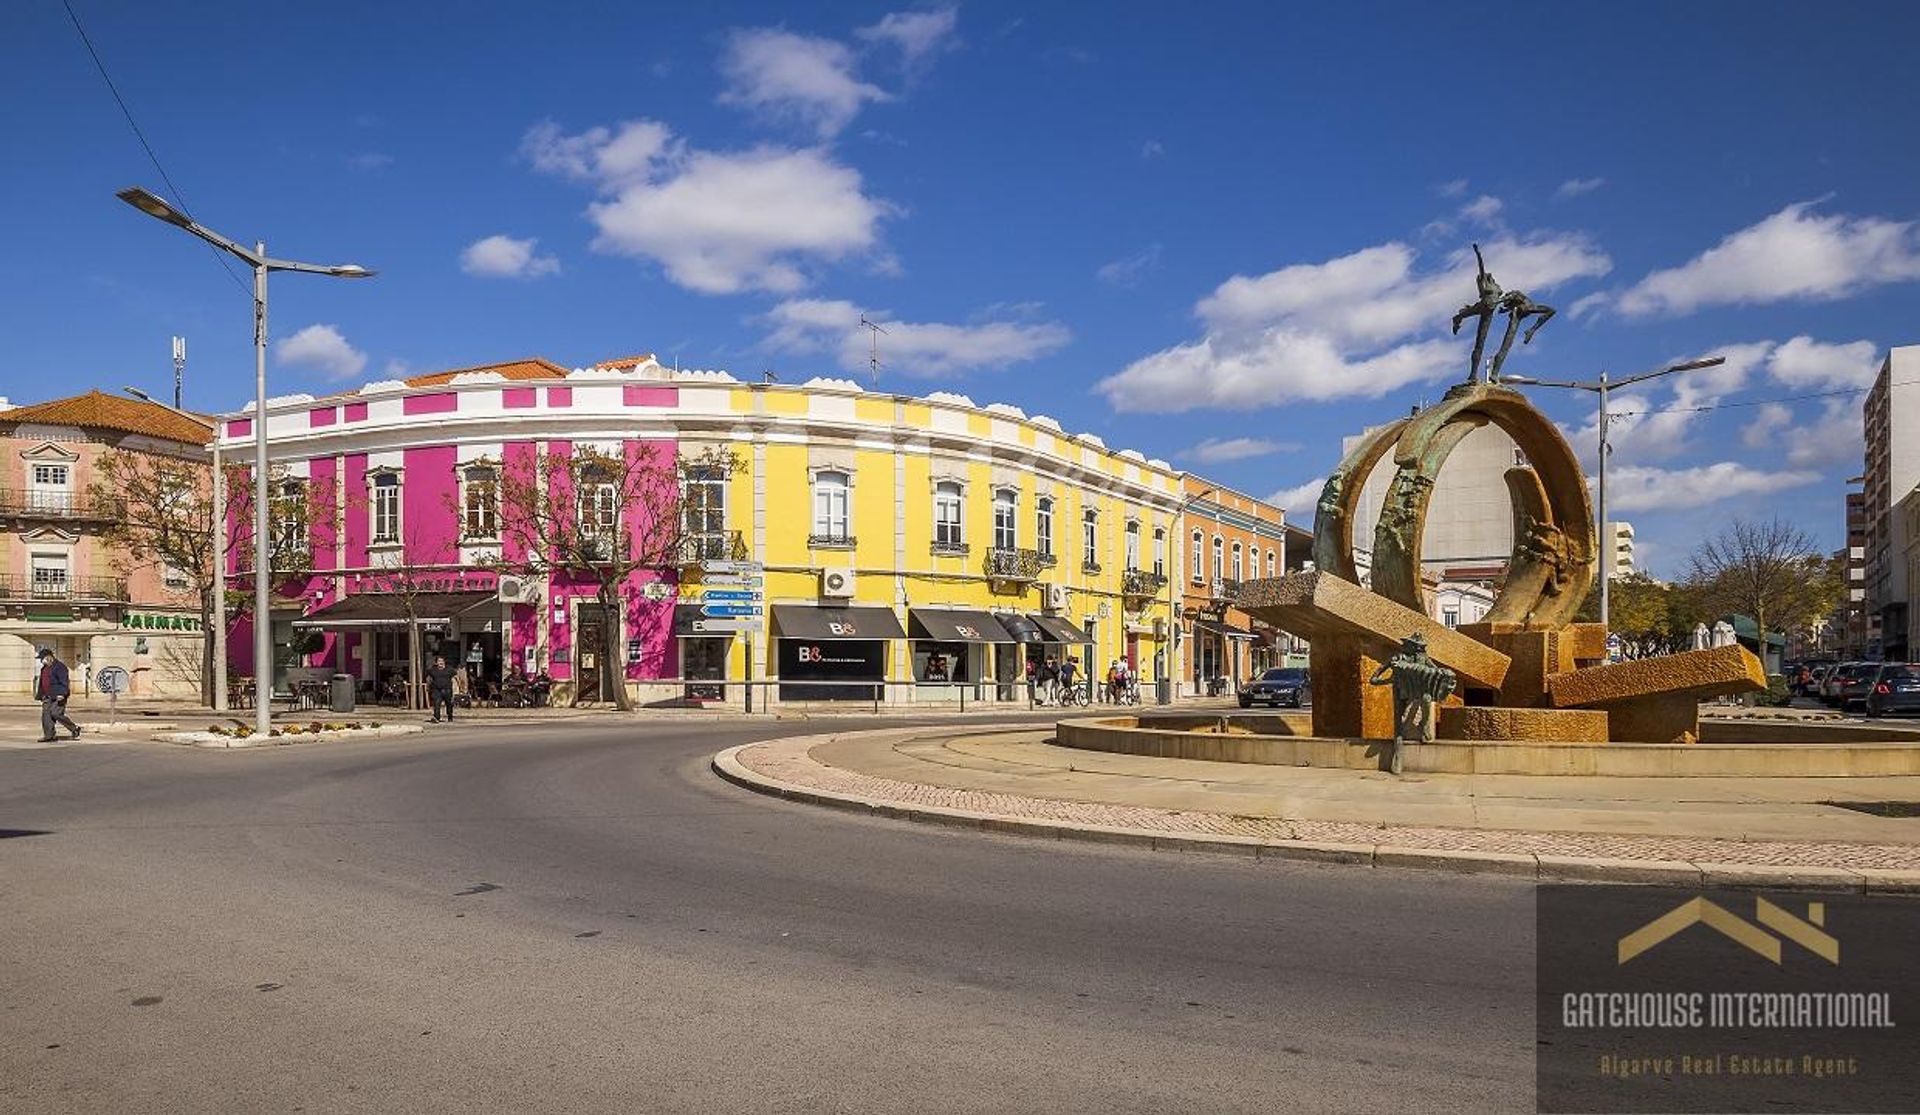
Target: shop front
[
  {"x": 820, "y": 652},
  {"x": 374, "y": 631},
  {"x": 703, "y": 652},
  {"x": 951, "y": 646},
  {"x": 1222, "y": 656}
]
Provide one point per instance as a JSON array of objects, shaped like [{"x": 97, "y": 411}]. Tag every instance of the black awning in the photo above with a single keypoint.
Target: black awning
[
  {"x": 1020, "y": 629},
  {"x": 1061, "y": 630},
  {"x": 394, "y": 609},
  {"x": 808, "y": 621},
  {"x": 1226, "y": 630},
  {"x": 956, "y": 625}
]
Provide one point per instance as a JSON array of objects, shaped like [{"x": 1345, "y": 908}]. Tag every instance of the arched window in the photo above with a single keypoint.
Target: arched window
[
  {"x": 1270, "y": 571},
  {"x": 1219, "y": 559},
  {"x": 1199, "y": 557},
  {"x": 1133, "y": 545},
  {"x": 1159, "y": 551},
  {"x": 948, "y": 533},
  {"x": 830, "y": 521},
  {"x": 1043, "y": 527},
  {"x": 1238, "y": 569},
  {"x": 1005, "y": 528},
  {"x": 1090, "y": 540}
]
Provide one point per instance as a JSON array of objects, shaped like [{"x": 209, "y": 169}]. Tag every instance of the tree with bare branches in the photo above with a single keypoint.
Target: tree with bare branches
[
  {"x": 605, "y": 516},
  {"x": 1770, "y": 570},
  {"x": 167, "y": 523}
]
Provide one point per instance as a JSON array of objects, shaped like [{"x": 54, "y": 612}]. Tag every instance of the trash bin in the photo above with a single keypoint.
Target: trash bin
[
  {"x": 341, "y": 691},
  {"x": 1163, "y": 691}
]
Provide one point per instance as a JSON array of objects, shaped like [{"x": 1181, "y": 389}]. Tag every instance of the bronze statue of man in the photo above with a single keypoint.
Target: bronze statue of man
[
  {"x": 1518, "y": 307},
  {"x": 1418, "y": 684},
  {"x": 1486, "y": 307}
]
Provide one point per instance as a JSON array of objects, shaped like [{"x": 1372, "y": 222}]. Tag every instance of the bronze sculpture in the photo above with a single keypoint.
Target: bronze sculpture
[
  {"x": 1418, "y": 683},
  {"x": 1492, "y": 302},
  {"x": 1485, "y": 308}
]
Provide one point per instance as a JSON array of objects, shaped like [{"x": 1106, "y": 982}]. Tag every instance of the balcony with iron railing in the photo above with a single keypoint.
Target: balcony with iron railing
[
  {"x": 830, "y": 540},
  {"x": 1013, "y": 564},
  {"x": 712, "y": 545},
  {"x": 59, "y": 506},
  {"x": 14, "y": 588},
  {"x": 949, "y": 547},
  {"x": 1141, "y": 582},
  {"x": 1225, "y": 590}
]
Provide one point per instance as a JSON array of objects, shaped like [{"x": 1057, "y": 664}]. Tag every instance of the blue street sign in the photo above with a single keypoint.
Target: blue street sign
[
  {"x": 725, "y": 595},
  {"x": 737, "y": 610}
]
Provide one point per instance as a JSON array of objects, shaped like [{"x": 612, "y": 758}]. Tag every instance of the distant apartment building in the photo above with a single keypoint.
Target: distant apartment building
[
  {"x": 1891, "y": 420},
  {"x": 1858, "y": 629},
  {"x": 1469, "y": 526},
  {"x": 63, "y": 583},
  {"x": 1616, "y": 550}
]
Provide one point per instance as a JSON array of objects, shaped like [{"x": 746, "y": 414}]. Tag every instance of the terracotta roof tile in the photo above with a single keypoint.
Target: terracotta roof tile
[
  {"x": 535, "y": 368},
  {"x": 97, "y": 410},
  {"x": 626, "y": 361}
]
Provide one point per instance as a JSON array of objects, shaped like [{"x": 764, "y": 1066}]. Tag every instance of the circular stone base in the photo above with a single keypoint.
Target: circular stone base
[{"x": 1521, "y": 725}]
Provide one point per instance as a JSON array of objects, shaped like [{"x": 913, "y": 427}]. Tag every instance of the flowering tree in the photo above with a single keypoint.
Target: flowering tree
[{"x": 605, "y": 516}]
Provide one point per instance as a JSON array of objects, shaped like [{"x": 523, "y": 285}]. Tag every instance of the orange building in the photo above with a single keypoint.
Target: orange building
[
  {"x": 1228, "y": 537},
  {"x": 61, "y": 584}
]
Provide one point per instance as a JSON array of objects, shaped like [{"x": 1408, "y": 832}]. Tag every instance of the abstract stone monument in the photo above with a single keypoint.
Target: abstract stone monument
[{"x": 1527, "y": 653}]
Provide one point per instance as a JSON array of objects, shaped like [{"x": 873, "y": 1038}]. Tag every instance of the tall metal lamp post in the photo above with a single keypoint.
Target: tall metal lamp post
[
  {"x": 219, "y": 632},
  {"x": 1601, "y": 387},
  {"x": 256, "y": 258}
]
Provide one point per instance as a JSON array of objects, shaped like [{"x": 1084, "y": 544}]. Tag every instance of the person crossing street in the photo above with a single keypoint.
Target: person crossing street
[{"x": 51, "y": 687}]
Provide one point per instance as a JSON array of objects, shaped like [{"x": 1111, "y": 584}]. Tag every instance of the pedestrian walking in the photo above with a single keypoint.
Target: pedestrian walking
[
  {"x": 440, "y": 687},
  {"x": 51, "y": 687}
]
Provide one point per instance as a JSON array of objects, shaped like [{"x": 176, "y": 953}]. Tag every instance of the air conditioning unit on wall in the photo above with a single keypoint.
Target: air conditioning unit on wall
[
  {"x": 519, "y": 590},
  {"x": 1053, "y": 597},
  {"x": 836, "y": 582}
]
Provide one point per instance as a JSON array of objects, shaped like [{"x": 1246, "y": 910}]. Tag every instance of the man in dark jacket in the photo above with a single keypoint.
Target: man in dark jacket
[
  {"x": 440, "y": 687},
  {"x": 51, "y": 687}
]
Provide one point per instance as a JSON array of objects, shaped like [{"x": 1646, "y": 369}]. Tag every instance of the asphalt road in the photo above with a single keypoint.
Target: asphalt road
[{"x": 586, "y": 919}]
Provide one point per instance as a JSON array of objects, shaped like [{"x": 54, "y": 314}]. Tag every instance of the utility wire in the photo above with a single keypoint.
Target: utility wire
[
  {"x": 1756, "y": 402},
  {"x": 178, "y": 197}
]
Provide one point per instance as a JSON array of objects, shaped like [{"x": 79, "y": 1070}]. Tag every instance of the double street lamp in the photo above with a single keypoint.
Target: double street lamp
[
  {"x": 256, "y": 258},
  {"x": 1601, "y": 387}
]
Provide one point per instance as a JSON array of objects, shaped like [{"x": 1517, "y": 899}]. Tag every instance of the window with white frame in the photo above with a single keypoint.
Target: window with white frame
[
  {"x": 1090, "y": 538},
  {"x": 1043, "y": 526},
  {"x": 1270, "y": 563},
  {"x": 1006, "y": 529},
  {"x": 1199, "y": 557},
  {"x": 386, "y": 507},
  {"x": 830, "y": 514},
  {"x": 1159, "y": 551},
  {"x": 703, "y": 512},
  {"x": 480, "y": 502},
  {"x": 1132, "y": 543},
  {"x": 1219, "y": 559},
  {"x": 1237, "y": 568},
  {"x": 949, "y": 533},
  {"x": 1450, "y": 617},
  {"x": 49, "y": 574},
  {"x": 289, "y": 506},
  {"x": 51, "y": 487}
]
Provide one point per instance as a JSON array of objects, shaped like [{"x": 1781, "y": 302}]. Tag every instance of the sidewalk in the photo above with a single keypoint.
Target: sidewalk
[{"x": 1685, "y": 831}]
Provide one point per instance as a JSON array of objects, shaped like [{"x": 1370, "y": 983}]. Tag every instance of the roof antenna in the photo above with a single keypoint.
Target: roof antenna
[
  {"x": 179, "y": 367},
  {"x": 767, "y": 376},
  {"x": 873, "y": 349}
]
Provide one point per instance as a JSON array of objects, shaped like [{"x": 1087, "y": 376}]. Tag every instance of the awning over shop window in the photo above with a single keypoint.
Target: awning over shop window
[
  {"x": 1020, "y": 629},
  {"x": 956, "y": 625},
  {"x": 391, "y": 609},
  {"x": 1061, "y": 630},
  {"x": 1225, "y": 630},
  {"x": 807, "y": 621}
]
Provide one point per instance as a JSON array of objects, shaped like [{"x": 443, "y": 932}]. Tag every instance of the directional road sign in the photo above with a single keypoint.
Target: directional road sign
[
  {"x": 730, "y": 595},
  {"x": 725, "y": 626},
  {"x": 732, "y": 580},
  {"x": 731, "y": 567},
  {"x": 729, "y": 610}
]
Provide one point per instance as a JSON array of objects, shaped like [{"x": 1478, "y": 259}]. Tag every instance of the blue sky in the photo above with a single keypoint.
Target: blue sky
[{"x": 1225, "y": 235}]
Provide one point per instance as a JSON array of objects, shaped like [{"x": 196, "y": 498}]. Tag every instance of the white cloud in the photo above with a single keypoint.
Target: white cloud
[
  {"x": 718, "y": 222},
  {"x": 1482, "y": 210},
  {"x": 1645, "y": 428},
  {"x": 1454, "y": 188},
  {"x": 911, "y": 348},
  {"x": 503, "y": 257},
  {"x": 918, "y": 35},
  {"x": 1643, "y": 488},
  {"x": 1832, "y": 437},
  {"x": 322, "y": 348},
  {"x": 1152, "y": 149},
  {"x": 1215, "y": 450},
  {"x": 1764, "y": 431},
  {"x": 1360, "y": 325},
  {"x": 1129, "y": 270},
  {"x": 1805, "y": 362},
  {"x": 1793, "y": 254},
  {"x": 1574, "y": 187},
  {"x": 370, "y": 160},
  {"x": 396, "y": 368},
  {"x": 1300, "y": 499},
  {"x": 793, "y": 77}
]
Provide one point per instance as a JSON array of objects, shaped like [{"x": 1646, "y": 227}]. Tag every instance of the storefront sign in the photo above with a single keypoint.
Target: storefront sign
[
  {"x": 141, "y": 621},
  {"x": 804, "y": 660}
]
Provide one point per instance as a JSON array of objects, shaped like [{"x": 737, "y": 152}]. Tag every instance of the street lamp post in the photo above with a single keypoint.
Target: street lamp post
[
  {"x": 256, "y": 258},
  {"x": 219, "y": 632},
  {"x": 1601, "y": 387}
]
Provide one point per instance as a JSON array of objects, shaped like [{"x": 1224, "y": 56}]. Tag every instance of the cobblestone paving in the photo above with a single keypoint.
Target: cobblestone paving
[{"x": 788, "y": 760}]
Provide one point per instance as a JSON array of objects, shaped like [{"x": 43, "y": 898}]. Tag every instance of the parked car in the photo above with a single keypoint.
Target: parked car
[
  {"x": 1283, "y": 685},
  {"x": 1856, "y": 681},
  {"x": 1830, "y": 683},
  {"x": 1895, "y": 688}
]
